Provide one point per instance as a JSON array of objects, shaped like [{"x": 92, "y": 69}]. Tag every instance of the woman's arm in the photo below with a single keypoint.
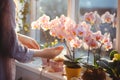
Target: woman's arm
[{"x": 11, "y": 47}]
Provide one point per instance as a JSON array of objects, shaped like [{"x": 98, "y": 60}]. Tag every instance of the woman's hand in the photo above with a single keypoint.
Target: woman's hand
[
  {"x": 49, "y": 53},
  {"x": 28, "y": 42}
]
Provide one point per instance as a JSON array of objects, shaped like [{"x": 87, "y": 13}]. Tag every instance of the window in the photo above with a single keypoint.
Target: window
[
  {"x": 52, "y": 8},
  {"x": 72, "y": 8},
  {"x": 101, "y": 6}
]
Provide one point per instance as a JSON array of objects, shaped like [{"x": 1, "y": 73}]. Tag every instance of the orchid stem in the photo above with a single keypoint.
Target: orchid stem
[
  {"x": 68, "y": 49},
  {"x": 100, "y": 50},
  {"x": 88, "y": 55},
  {"x": 73, "y": 53},
  {"x": 46, "y": 37}
]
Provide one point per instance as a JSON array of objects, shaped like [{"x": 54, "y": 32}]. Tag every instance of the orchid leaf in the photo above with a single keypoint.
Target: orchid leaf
[
  {"x": 78, "y": 59},
  {"x": 68, "y": 57}
]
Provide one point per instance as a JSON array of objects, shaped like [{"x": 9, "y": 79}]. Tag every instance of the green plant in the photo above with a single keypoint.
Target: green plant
[
  {"x": 22, "y": 13},
  {"x": 71, "y": 61},
  {"x": 112, "y": 66},
  {"x": 112, "y": 54}
]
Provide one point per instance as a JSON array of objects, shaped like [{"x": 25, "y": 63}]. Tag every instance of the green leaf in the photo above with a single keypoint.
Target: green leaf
[
  {"x": 107, "y": 66},
  {"x": 78, "y": 59},
  {"x": 68, "y": 57},
  {"x": 71, "y": 64},
  {"x": 112, "y": 54}
]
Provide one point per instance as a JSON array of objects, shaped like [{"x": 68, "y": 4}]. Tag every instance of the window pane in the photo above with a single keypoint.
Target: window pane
[
  {"x": 100, "y": 7},
  {"x": 52, "y": 8},
  {"x": 97, "y": 5}
]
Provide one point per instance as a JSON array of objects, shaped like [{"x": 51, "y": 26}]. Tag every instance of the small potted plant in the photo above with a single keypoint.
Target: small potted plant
[
  {"x": 96, "y": 43},
  {"x": 94, "y": 73},
  {"x": 65, "y": 29},
  {"x": 72, "y": 64},
  {"x": 96, "y": 46}
]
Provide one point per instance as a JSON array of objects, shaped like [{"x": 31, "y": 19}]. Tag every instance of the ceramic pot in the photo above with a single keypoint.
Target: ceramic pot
[
  {"x": 72, "y": 72},
  {"x": 56, "y": 66},
  {"x": 45, "y": 62}
]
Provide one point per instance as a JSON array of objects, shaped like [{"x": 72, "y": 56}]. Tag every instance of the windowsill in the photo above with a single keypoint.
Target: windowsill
[{"x": 35, "y": 67}]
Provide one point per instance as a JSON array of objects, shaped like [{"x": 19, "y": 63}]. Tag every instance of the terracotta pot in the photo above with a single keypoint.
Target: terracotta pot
[{"x": 72, "y": 72}]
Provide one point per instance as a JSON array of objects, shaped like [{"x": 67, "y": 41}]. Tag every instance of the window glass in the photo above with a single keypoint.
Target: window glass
[
  {"x": 51, "y": 8},
  {"x": 23, "y": 16},
  {"x": 100, "y": 7},
  {"x": 97, "y": 5}
]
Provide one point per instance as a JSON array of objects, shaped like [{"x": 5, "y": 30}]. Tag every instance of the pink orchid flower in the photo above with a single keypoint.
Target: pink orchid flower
[
  {"x": 107, "y": 17},
  {"x": 76, "y": 42},
  {"x": 71, "y": 29},
  {"x": 90, "y": 41},
  {"x": 89, "y": 17},
  {"x": 58, "y": 32},
  {"x": 98, "y": 36},
  {"x": 106, "y": 38},
  {"x": 35, "y": 25},
  {"x": 93, "y": 43},
  {"x": 69, "y": 35},
  {"x": 108, "y": 46},
  {"x": 83, "y": 28},
  {"x": 63, "y": 19},
  {"x": 44, "y": 22}
]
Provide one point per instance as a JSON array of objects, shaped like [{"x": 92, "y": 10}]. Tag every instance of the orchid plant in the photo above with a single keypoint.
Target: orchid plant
[
  {"x": 95, "y": 20},
  {"x": 43, "y": 24},
  {"x": 79, "y": 35}
]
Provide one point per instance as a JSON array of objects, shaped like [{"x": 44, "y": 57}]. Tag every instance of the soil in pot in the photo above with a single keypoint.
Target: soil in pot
[{"x": 94, "y": 74}]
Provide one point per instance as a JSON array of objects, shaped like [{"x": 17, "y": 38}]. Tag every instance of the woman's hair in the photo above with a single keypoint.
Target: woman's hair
[{"x": 7, "y": 23}]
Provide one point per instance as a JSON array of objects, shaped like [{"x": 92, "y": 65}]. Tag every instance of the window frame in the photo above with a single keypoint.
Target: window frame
[{"x": 118, "y": 27}]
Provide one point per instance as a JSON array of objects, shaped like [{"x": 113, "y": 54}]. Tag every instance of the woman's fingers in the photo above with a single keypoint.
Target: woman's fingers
[
  {"x": 28, "y": 42},
  {"x": 59, "y": 48},
  {"x": 56, "y": 51},
  {"x": 35, "y": 45}
]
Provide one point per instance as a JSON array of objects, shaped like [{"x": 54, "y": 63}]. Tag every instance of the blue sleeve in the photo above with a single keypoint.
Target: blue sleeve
[
  {"x": 14, "y": 48},
  {"x": 22, "y": 53}
]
